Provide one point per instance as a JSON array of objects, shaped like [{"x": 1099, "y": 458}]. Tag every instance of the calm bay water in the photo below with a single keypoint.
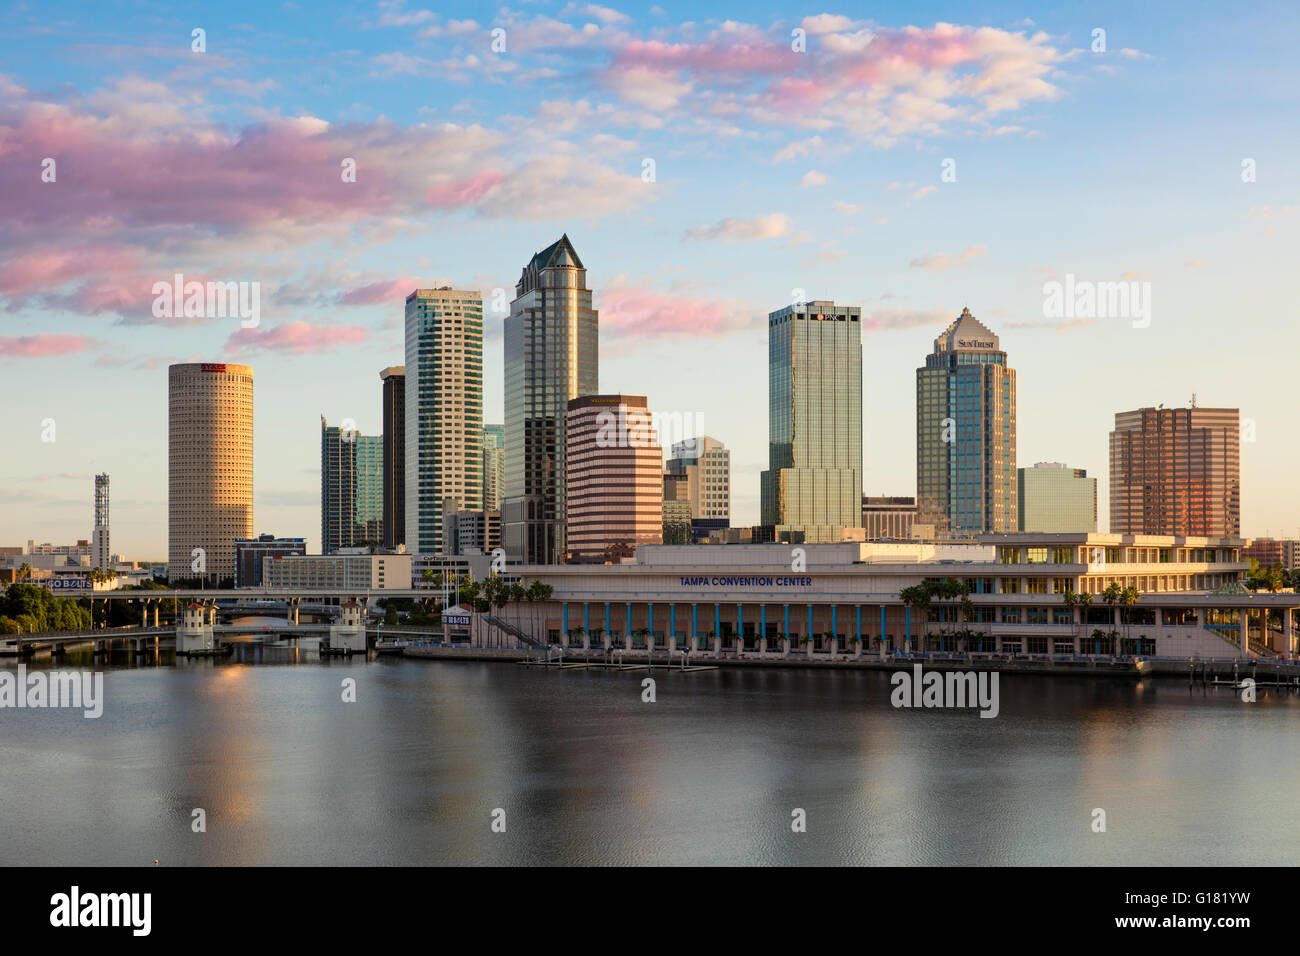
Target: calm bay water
[{"x": 588, "y": 774}]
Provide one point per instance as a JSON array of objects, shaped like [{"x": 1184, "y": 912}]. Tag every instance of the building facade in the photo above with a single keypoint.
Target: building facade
[
  {"x": 1176, "y": 471},
  {"x": 745, "y": 600},
  {"x": 494, "y": 466},
  {"x": 352, "y": 568},
  {"x": 552, "y": 353},
  {"x": 966, "y": 433},
  {"x": 1273, "y": 552},
  {"x": 251, "y": 552},
  {"x": 394, "y": 466},
  {"x": 614, "y": 477},
  {"x": 102, "y": 556},
  {"x": 888, "y": 517},
  {"x": 1056, "y": 498},
  {"x": 209, "y": 467},
  {"x": 813, "y": 483},
  {"x": 444, "y": 409}
]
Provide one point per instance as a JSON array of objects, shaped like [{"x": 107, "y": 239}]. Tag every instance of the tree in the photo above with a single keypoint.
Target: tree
[
  {"x": 1111, "y": 596},
  {"x": 1127, "y": 598},
  {"x": 24, "y": 571}
]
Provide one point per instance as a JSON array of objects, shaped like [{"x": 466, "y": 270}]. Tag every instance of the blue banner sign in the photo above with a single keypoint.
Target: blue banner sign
[
  {"x": 746, "y": 582},
  {"x": 456, "y": 620}
]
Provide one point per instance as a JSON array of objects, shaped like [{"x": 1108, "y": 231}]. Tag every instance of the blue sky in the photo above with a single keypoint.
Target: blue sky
[{"x": 774, "y": 171}]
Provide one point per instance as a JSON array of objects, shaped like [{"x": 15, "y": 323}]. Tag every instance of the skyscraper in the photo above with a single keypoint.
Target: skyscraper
[
  {"x": 614, "y": 473},
  {"x": 209, "y": 467},
  {"x": 705, "y": 463},
  {"x": 1056, "y": 498},
  {"x": 551, "y": 356},
  {"x": 444, "y": 410},
  {"x": 369, "y": 495},
  {"x": 1176, "y": 471},
  {"x": 966, "y": 433},
  {"x": 813, "y": 482},
  {"x": 338, "y": 487},
  {"x": 100, "y": 556},
  {"x": 494, "y": 466},
  {"x": 394, "y": 402}
]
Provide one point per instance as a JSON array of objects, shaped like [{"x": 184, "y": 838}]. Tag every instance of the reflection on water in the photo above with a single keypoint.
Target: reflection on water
[{"x": 288, "y": 773}]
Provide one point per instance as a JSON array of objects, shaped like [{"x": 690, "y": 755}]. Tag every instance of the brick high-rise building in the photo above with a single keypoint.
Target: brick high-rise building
[
  {"x": 614, "y": 478},
  {"x": 1176, "y": 471}
]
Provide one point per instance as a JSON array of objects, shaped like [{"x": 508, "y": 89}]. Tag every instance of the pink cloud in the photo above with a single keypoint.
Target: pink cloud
[
  {"x": 632, "y": 312},
  {"x": 465, "y": 192},
  {"x": 42, "y": 346},
  {"x": 389, "y": 291},
  {"x": 300, "y": 338}
]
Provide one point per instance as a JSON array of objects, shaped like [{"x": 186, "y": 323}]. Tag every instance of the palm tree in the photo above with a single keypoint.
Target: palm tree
[
  {"x": 24, "y": 571},
  {"x": 518, "y": 594},
  {"x": 1111, "y": 595},
  {"x": 1127, "y": 598},
  {"x": 917, "y": 596}
]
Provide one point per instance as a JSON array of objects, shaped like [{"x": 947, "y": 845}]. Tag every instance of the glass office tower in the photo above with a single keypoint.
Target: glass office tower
[
  {"x": 812, "y": 487},
  {"x": 551, "y": 356},
  {"x": 966, "y": 434}
]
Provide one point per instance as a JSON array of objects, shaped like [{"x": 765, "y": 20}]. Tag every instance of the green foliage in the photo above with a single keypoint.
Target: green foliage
[{"x": 28, "y": 608}]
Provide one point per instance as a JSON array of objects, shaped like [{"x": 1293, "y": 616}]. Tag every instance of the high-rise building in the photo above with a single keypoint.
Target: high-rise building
[
  {"x": 677, "y": 510},
  {"x": 705, "y": 463},
  {"x": 444, "y": 410},
  {"x": 551, "y": 356},
  {"x": 494, "y": 466},
  {"x": 338, "y": 487},
  {"x": 614, "y": 475},
  {"x": 966, "y": 433},
  {"x": 1176, "y": 471},
  {"x": 101, "y": 556},
  {"x": 370, "y": 491},
  {"x": 209, "y": 467},
  {"x": 1056, "y": 498},
  {"x": 888, "y": 517},
  {"x": 813, "y": 482},
  {"x": 394, "y": 401}
]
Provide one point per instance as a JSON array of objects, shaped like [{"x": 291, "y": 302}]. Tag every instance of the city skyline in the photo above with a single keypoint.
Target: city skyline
[{"x": 684, "y": 269}]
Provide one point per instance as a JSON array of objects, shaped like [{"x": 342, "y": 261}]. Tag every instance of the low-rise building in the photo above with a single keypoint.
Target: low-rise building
[{"x": 347, "y": 568}]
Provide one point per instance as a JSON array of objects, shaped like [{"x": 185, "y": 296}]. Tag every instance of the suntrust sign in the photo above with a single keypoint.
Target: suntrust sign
[{"x": 746, "y": 582}]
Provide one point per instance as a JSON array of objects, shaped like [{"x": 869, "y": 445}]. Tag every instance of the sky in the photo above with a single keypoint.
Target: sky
[{"x": 709, "y": 168}]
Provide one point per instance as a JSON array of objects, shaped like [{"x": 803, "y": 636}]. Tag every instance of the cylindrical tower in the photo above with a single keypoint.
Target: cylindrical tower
[{"x": 210, "y": 467}]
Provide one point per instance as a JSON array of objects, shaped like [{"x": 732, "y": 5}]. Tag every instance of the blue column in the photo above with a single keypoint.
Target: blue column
[
  {"x": 810, "y": 637},
  {"x": 762, "y": 621},
  {"x": 695, "y": 622},
  {"x": 586, "y": 617},
  {"x": 672, "y": 624},
  {"x": 565, "y": 617},
  {"x": 627, "y": 621},
  {"x": 787, "y": 621},
  {"x": 907, "y": 628},
  {"x": 606, "y": 619},
  {"x": 882, "y": 622},
  {"x": 717, "y": 623},
  {"x": 740, "y": 624},
  {"x": 650, "y": 619},
  {"x": 834, "y": 628},
  {"x": 857, "y": 622}
]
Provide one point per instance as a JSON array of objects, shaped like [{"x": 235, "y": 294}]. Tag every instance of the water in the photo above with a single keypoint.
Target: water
[{"x": 589, "y": 774}]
